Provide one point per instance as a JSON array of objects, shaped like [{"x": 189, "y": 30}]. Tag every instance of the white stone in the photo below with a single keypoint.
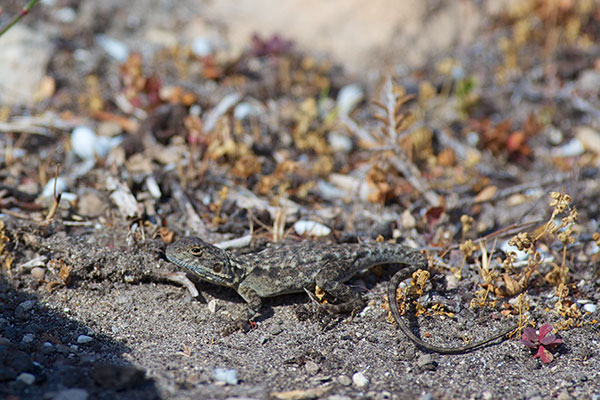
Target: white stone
[
  {"x": 26, "y": 378},
  {"x": 226, "y": 375},
  {"x": 360, "y": 380},
  {"x": 348, "y": 98},
  {"x": 311, "y": 228},
  {"x": 81, "y": 339},
  {"x": 115, "y": 48}
]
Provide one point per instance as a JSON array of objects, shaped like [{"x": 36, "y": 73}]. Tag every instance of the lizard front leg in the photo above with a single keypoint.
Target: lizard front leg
[{"x": 254, "y": 304}]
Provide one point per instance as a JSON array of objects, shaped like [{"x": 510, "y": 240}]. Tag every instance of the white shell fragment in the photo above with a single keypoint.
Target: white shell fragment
[
  {"x": 348, "y": 98},
  {"x": 61, "y": 186},
  {"x": 115, "y": 48},
  {"x": 591, "y": 308},
  {"x": 225, "y": 375},
  {"x": 123, "y": 198},
  {"x": 86, "y": 144},
  {"x": 311, "y": 228},
  {"x": 153, "y": 187},
  {"x": 202, "y": 47},
  {"x": 360, "y": 380}
]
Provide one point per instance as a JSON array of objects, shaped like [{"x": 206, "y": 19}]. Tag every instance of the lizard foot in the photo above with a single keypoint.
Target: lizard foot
[{"x": 242, "y": 325}]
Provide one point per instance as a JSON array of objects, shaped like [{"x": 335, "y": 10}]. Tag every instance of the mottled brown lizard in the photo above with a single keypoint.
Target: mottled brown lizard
[{"x": 296, "y": 268}]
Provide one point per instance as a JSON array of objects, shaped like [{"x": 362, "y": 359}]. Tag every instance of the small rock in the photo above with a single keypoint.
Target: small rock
[
  {"x": 426, "y": 396},
  {"x": 360, "y": 380},
  {"x": 311, "y": 228},
  {"x": 487, "y": 395},
  {"x": 92, "y": 204},
  {"x": 311, "y": 367},
  {"x": 22, "y": 309},
  {"x": 348, "y": 98},
  {"x": 212, "y": 306},
  {"x": 339, "y": 142},
  {"x": 26, "y": 378},
  {"x": 275, "y": 329},
  {"x": 81, "y": 339},
  {"x": 425, "y": 362},
  {"x": 226, "y": 375},
  {"x": 591, "y": 308},
  {"x": 38, "y": 273},
  {"x": 61, "y": 186},
  {"x": 202, "y": 46},
  {"x": 28, "y": 338},
  {"x": 115, "y": 48},
  {"x": 344, "y": 380},
  {"x": 71, "y": 394},
  {"x": 564, "y": 395},
  {"x": 245, "y": 110}
]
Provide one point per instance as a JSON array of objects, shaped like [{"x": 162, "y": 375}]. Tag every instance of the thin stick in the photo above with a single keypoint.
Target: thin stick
[{"x": 18, "y": 17}]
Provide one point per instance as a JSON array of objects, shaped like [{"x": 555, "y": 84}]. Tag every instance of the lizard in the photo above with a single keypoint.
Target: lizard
[{"x": 300, "y": 267}]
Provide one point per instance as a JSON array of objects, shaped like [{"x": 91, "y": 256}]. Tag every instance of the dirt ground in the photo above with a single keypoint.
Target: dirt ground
[{"x": 194, "y": 127}]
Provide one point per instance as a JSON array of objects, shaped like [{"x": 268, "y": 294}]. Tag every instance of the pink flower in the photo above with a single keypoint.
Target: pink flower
[{"x": 543, "y": 341}]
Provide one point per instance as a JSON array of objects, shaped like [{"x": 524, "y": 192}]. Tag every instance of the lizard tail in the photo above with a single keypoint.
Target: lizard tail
[{"x": 393, "y": 302}]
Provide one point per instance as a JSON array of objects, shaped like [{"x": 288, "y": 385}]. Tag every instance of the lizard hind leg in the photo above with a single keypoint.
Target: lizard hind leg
[{"x": 330, "y": 281}]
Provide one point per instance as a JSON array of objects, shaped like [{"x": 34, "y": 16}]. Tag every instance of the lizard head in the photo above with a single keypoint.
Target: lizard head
[{"x": 202, "y": 259}]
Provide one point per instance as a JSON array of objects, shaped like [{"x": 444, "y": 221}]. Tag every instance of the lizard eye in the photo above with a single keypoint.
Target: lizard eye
[
  {"x": 218, "y": 268},
  {"x": 197, "y": 251}
]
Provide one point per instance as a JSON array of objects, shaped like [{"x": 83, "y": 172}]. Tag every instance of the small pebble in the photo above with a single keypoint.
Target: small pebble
[
  {"x": 202, "y": 47},
  {"x": 275, "y": 329},
  {"x": 245, "y": 110},
  {"x": 360, "y": 380},
  {"x": 38, "y": 273},
  {"x": 225, "y": 375},
  {"x": 311, "y": 228},
  {"x": 26, "y": 378},
  {"x": 71, "y": 394},
  {"x": 28, "y": 338},
  {"x": 344, "y": 380},
  {"x": 339, "y": 142},
  {"x": 311, "y": 367},
  {"x": 426, "y": 396},
  {"x": 81, "y": 339},
  {"x": 564, "y": 395},
  {"x": 212, "y": 306},
  {"x": 425, "y": 362},
  {"x": 27, "y": 305},
  {"x": 591, "y": 308},
  {"x": 115, "y": 48},
  {"x": 61, "y": 186},
  {"x": 348, "y": 98}
]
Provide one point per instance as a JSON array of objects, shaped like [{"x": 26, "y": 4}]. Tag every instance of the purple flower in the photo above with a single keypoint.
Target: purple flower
[{"x": 541, "y": 341}]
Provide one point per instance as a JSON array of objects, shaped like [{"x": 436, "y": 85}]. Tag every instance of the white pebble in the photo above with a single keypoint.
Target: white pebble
[
  {"x": 360, "y": 380},
  {"x": 115, "y": 48},
  {"x": 590, "y": 307},
  {"x": 226, "y": 375},
  {"x": 212, "y": 306},
  {"x": 311, "y": 228},
  {"x": 81, "y": 339},
  {"x": 339, "y": 142},
  {"x": 83, "y": 142},
  {"x": 348, "y": 98},
  {"x": 153, "y": 187},
  {"x": 202, "y": 47},
  {"x": 26, "y": 378},
  {"x": 28, "y": 338},
  {"x": 245, "y": 110},
  {"x": 573, "y": 148},
  {"x": 61, "y": 186}
]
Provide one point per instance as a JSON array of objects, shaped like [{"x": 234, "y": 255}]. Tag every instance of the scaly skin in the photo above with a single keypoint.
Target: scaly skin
[{"x": 296, "y": 268}]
